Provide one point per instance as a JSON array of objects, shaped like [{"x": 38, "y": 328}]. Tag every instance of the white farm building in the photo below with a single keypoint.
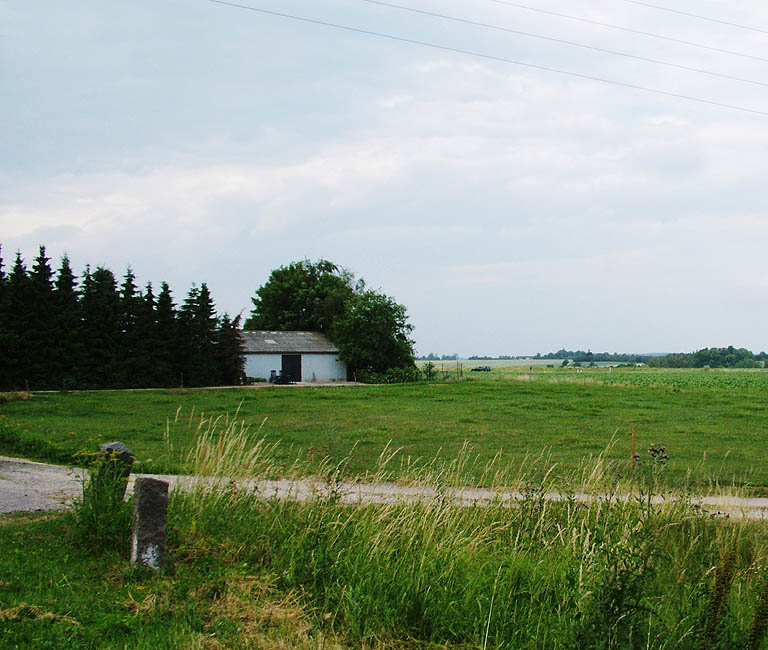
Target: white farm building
[{"x": 299, "y": 356}]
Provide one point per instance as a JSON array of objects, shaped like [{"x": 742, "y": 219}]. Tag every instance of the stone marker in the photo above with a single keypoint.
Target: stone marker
[
  {"x": 115, "y": 462},
  {"x": 150, "y": 509}
]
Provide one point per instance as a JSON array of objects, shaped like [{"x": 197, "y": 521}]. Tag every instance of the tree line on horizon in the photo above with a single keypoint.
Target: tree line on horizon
[
  {"x": 728, "y": 357},
  {"x": 58, "y": 332}
]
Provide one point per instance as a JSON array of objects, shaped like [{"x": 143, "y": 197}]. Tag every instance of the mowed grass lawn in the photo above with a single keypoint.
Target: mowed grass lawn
[{"x": 716, "y": 434}]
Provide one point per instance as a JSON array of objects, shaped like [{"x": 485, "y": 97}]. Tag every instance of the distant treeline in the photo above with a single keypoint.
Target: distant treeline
[
  {"x": 58, "y": 332},
  {"x": 577, "y": 356},
  {"x": 443, "y": 357},
  {"x": 729, "y": 357}
]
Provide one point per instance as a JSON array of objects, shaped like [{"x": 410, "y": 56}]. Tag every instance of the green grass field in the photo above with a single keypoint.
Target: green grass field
[
  {"x": 715, "y": 423},
  {"x": 245, "y": 572}
]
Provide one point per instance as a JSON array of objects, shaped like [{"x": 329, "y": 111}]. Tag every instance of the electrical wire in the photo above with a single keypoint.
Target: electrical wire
[
  {"x": 691, "y": 15},
  {"x": 491, "y": 57},
  {"x": 629, "y": 30},
  {"x": 570, "y": 43}
]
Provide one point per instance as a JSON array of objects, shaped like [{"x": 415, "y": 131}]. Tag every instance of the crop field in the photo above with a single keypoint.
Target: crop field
[{"x": 714, "y": 423}]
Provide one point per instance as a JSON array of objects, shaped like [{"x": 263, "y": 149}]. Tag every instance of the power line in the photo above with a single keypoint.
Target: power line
[
  {"x": 491, "y": 57},
  {"x": 630, "y": 30},
  {"x": 565, "y": 42},
  {"x": 690, "y": 15}
]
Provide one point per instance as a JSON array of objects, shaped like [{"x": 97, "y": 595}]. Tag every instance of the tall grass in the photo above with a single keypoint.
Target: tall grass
[{"x": 608, "y": 572}]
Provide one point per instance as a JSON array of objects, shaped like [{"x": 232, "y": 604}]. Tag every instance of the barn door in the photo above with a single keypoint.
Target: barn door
[{"x": 292, "y": 367}]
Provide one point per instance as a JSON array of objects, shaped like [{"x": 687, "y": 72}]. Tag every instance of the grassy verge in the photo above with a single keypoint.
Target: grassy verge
[
  {"x": 716, "y": 431},
  {"x": 250, "y": 571}
]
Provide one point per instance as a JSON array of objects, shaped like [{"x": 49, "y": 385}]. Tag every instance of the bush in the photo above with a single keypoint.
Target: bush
[{"x": 102, "y": 517}]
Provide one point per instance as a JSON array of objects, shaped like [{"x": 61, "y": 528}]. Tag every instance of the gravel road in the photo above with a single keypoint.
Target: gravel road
[{"x": 26, "y": 486}]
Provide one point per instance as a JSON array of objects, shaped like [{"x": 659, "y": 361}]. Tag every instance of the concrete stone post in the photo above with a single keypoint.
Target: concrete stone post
[{"x": 150, "y": 512}]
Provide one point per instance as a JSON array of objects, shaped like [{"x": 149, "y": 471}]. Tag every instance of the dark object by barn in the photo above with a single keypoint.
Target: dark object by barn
[{"x": 284, "y": 378}]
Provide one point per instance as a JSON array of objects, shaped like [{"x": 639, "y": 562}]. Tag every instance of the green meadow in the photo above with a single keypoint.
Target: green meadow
[
  {"x": 245, "y": 572},
  {"x": 714, "y": 423},
  {"x": 270, "y": 574}
]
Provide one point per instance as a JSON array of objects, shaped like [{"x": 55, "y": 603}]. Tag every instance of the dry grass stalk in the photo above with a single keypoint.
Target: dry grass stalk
[{"x": 20, "y": 612}]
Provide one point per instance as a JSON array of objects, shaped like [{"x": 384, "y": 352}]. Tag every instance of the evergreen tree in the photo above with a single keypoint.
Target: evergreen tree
[
  {"x": 147, "y": 339},
  {"x": 4, "y": 350},
  {"x": 101, "y": 328},
  {"x": 167, "y": 357},
  {"x": 129, "y": 371},
  {"x": 42, "y": 336},
  {"x": 198, "y": 330},
  {"x": 67, "y": 355},
  {"x": 3, "y": 280},
  {"x": 17, "y": 327},
  {"x": 230, "y": 349}
]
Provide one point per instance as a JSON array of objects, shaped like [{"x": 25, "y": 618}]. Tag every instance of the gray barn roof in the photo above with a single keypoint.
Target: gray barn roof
[{"x": 287, "y": 343}]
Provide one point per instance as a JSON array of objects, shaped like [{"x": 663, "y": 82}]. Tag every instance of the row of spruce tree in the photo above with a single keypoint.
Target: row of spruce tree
[{"x": 58, "y": 332}]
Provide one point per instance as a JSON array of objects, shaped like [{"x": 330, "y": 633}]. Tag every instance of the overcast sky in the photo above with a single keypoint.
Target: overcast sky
[{"x": 512, "y": 209}]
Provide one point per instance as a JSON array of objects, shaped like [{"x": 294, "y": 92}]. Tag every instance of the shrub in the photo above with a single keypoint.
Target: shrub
[{"x": 102, "y": 516}]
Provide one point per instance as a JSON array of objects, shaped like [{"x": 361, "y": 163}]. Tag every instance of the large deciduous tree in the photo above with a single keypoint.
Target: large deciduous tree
[
  {"x": 304, "y": 295},
  {"x": 374, "y": 334}
]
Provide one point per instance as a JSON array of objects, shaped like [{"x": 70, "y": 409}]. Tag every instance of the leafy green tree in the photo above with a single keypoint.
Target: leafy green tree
[
  {"x": 304, "y": 295},
  {"x": 374, "y": 334}
]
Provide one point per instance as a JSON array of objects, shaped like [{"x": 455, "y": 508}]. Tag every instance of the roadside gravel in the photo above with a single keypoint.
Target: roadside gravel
[{"x": 26, "y": 486}]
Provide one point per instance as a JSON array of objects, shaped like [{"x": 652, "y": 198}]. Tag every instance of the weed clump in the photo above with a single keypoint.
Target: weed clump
[{"x": 102, "y": 516}]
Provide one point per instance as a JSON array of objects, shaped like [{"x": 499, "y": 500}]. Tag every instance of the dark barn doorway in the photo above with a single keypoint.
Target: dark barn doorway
[{"x": 292, "y": 367}]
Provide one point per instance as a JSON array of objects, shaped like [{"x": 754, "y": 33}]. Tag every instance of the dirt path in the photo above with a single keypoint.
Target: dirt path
[{"x": 28, "y": 486}]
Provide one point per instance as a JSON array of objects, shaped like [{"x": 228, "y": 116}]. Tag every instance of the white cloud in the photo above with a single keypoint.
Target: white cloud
[{"x": 444, "y": 179}]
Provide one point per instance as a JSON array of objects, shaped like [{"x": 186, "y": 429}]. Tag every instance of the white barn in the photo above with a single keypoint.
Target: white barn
[{"x": 299, "y": 356}]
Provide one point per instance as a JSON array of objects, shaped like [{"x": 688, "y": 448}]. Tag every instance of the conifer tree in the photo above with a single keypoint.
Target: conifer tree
[
  {"x": 147, "y": 339},
  {"x": 41, "y": 336},
  {"x": 3, "y": 316},
  {"x": 167, "y": 357},
  {"x": 230, "y": 349},
  {"x": 129, "y": 308},
  {"x": 2, "y": 282},
  {"x": 101, "y": 328},
  {"x": 17, "y": 327},
  {"x": 198, "y": 330},
  {"x": 66, "y": 357}
]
